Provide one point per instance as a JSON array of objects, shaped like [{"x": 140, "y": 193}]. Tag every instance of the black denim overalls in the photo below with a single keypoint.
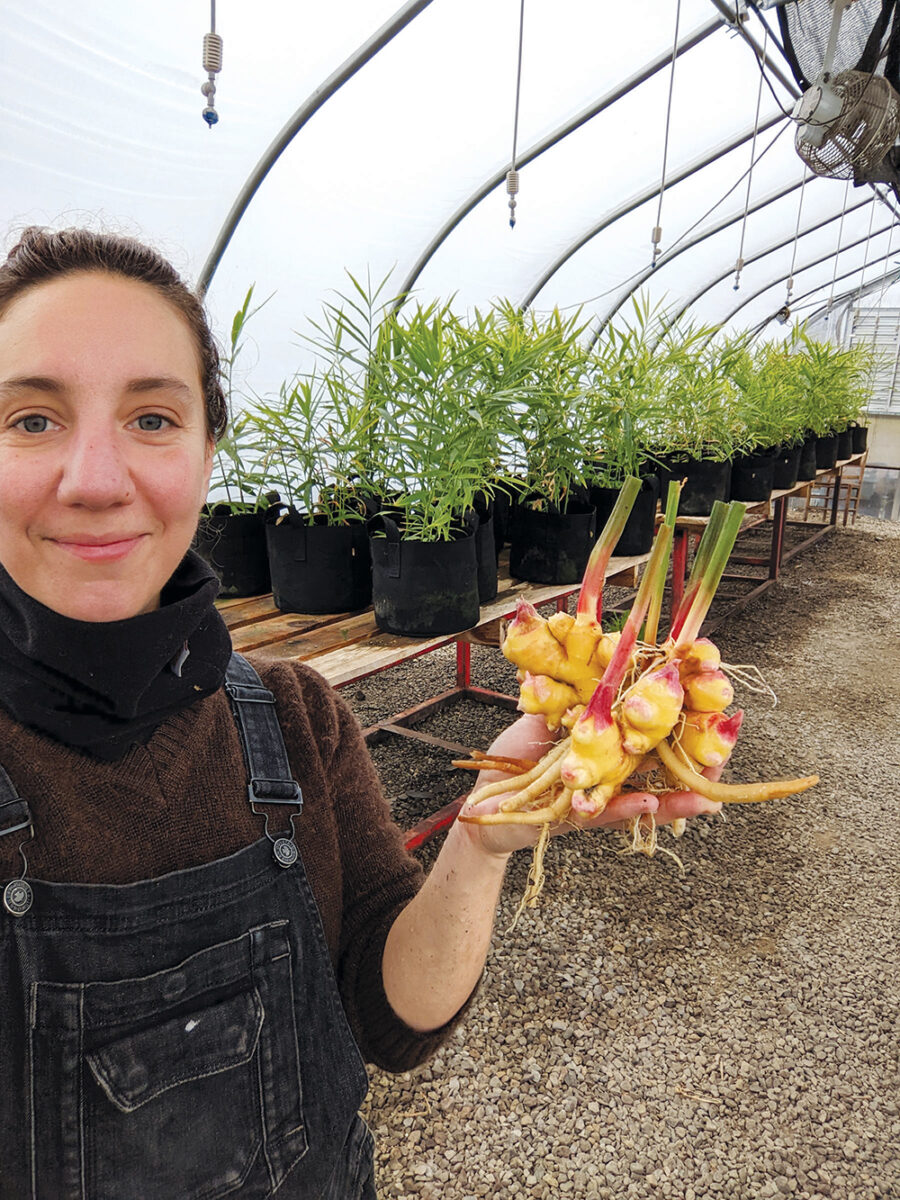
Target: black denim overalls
[{"x": 181, "y": 1038}]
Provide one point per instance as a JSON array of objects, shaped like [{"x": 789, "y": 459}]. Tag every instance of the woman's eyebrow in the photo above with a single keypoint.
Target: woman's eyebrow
[
  {"x": 31, "y": 383},
  {"x": 157, "y": 383}
]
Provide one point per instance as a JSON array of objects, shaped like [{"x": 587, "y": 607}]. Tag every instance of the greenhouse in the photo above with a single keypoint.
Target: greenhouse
[{"x": 427, "y": 429}]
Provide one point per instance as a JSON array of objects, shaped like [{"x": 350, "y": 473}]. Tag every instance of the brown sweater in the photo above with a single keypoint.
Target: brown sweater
[{"x": 181, "y": 801}]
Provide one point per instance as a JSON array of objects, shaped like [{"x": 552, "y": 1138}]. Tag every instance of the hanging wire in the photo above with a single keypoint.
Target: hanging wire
[
  {"x": 865, "y": 258},
  {"x": 739, "y": 265},
  {"x": 865, "y": 261},
  {"x": 656, "y": 236},
  {"x": 687, "y": 233},
  {"x": 837, "y": 252},
  {"x": 868, "y": 236},
  {"x": 212, "y": 64},
  {"x": 790, "y": 280},
  {"x": 512, "y": 175},
  {"x": 884, "y": 275}
]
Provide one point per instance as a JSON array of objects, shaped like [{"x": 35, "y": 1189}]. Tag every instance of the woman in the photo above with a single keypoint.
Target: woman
[{"x": 186, "y": 1000}]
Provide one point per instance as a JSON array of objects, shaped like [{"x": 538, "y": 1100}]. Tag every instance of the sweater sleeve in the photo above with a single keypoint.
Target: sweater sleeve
[{"x": 379, "y": 878}]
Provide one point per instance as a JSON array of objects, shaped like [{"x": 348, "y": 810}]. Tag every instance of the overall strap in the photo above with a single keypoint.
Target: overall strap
[
  {"x": 15, "y": 816},
  {"x": 268, "y": 767}
]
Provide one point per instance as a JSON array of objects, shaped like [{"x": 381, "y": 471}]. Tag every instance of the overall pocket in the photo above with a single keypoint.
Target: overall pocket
[{"x": 172, "y": 1086}]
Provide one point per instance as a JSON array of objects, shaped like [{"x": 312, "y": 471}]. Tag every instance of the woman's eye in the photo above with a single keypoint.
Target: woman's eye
[
  {"x": 151, "y": 422},
  {"x": 34, "y": 423}
]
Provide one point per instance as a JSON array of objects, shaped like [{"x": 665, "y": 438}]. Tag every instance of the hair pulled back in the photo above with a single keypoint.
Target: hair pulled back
[{"x": 42, "y": 255}]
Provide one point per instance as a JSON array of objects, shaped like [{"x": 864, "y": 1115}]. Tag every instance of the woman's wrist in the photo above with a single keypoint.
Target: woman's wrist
[{"x": 485, "y": 842}]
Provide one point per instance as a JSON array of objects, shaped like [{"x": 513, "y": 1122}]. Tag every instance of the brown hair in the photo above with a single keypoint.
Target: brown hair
[{"x": 41, "y": 255}]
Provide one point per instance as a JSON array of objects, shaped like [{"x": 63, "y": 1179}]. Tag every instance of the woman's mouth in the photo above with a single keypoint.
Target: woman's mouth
[{"x": 93, "y": 549}]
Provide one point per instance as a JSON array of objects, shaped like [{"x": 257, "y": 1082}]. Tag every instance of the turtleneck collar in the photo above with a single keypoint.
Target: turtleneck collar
[{"x": 103, "y": 687}]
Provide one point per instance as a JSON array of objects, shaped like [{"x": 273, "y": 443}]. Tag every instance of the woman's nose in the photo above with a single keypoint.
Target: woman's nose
[{"x": 96, "y": 472}]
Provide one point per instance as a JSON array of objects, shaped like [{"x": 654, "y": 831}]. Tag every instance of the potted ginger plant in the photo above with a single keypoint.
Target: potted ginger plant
[{"x": 437, "y": 441}]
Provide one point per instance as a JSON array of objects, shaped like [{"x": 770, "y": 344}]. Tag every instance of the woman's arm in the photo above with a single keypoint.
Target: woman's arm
[{"x": 437, "y": 946}]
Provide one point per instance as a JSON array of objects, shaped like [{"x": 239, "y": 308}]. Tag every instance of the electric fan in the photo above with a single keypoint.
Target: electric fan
[{"x": 847, "y": 122}]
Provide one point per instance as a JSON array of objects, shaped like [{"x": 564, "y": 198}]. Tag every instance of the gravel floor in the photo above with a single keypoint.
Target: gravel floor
[{"x": 730, "y": 1031}]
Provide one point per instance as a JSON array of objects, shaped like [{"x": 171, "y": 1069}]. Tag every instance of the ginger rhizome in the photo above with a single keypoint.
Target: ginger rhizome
[{"x": 635, "y": 711}]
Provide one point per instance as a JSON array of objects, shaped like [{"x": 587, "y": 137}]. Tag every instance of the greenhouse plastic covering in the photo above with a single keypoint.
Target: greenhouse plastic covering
[{"x": 101, "y": 124}]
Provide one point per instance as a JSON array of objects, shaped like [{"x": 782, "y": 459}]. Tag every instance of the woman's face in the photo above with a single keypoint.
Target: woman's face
[{"x": 104, "y": 453}]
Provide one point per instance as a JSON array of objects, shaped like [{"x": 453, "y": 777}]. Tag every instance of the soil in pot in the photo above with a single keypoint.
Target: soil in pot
[
  {"x": 785, "y": 467},
  {"x": 807, "y": 468},
  {"x": 860, "y": 436},
  {"x": 637, "y": 536},
  {"x": 422, "y": 589},
  {"x": 705, "y": 482},
  {"x": 826, "y": 452},
  {"x": 318, "y": 568},
  {"x": 552, "y": 547},
  {"x": 845, "y": 444},
  {"x": 752, "y": 477},
  {"x": 234, "y": 545}
]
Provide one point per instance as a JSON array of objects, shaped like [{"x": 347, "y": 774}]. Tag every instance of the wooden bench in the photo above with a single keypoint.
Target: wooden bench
[{"x": 774, "y": 512}]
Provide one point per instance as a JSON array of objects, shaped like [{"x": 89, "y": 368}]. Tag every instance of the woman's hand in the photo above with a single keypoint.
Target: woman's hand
[
  {"x": 529, "y": 737},
  {"x": 437, "y": 946}
]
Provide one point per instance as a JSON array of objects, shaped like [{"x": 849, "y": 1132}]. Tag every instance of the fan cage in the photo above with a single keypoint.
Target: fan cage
[{"x": 863, "y": 133}]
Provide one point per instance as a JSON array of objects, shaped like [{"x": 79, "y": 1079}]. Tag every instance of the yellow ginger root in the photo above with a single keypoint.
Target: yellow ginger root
[
  {"x": 541, "y": 694},
  {"x": 603, "y": 652},
  {"x": 649, "y": 709},
  {"x": 702, "y": 655},
  {"x": 709, "y": 737},
  {"x": 559, "y": 625},
  {"x": 532, "y": 647},
  {"x": 730, "y": 793},
  {"x": 596, "y": 755},
  {"x": 568, "y": 650},
  {"x": 708, "y": 691}
]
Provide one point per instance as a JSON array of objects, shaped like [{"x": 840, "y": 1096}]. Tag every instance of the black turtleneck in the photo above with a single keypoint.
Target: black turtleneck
[{"x": 102, "y": 687}]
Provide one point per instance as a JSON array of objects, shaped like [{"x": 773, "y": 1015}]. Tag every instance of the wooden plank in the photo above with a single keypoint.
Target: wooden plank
[
  {"x": 236, "y": 613},
  {"x": 285, "y": 626},
  {"x": 256, "y": 636},
  {"x": 226, "y": 604},
  {"x": 315, "y": 641}
]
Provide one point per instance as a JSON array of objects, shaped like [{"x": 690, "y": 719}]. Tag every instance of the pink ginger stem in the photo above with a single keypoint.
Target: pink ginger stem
[{"x": 590, "y": 600}]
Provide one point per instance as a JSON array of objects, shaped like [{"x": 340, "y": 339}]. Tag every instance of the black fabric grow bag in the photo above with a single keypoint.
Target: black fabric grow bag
[
  {"x": 786, "y": 467},
  {"x": 705, "y": 482},
  {"x": 826, "y": 452},
  {"x": 807, "y": 469},
  {"x": 845, "y": 444},
  {"x": 486, "y": 549},
  {"x": 552, "y": 547},
  {"x": 637, "y": 536},
  {"x": 234, "y": 545},
  {"x": 752, "y": 477},
  {"x": 422, "y": 589},
  {"x": 318, "y": 568},
  {"x": 860, "y": 437}
]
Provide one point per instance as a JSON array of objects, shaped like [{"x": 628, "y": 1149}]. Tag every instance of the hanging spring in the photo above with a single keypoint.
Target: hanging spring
[
  {"x": 512, "y": 187},
  {"x": 655, "y": 239},
  {"x": 212, "y": 64}
]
